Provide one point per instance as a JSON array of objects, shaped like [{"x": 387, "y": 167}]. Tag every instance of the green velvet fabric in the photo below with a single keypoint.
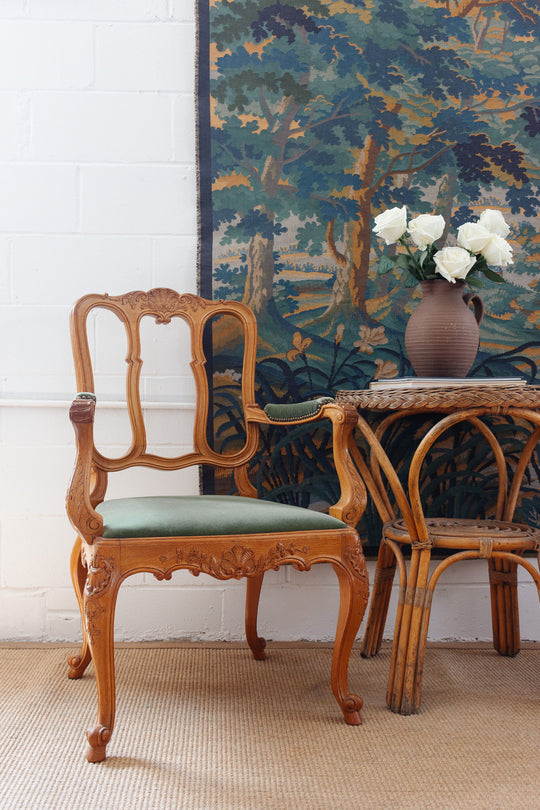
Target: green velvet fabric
[
  {"x": 194, "y": 515},
  {"x": 293, "y": 411}
]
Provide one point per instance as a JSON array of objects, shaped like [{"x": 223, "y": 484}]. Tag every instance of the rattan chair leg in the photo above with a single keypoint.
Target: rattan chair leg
[
  {"x": 512, "y": 609},
  {"x": 398, "y": 663},
  {"x": 410, "y": 696},
  {"x": 380, "y": 599},
  {"x": 504, "y": 606},
  {"x": 426, "y": 614},
  {"x": 396, "y": 548}
]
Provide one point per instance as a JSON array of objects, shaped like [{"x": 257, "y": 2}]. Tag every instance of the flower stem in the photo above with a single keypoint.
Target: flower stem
[{"x": 414, "y": 266}]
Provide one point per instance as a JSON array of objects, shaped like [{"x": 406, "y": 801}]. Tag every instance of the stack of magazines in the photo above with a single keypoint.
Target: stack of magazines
[{"x": 444, "y": 382}]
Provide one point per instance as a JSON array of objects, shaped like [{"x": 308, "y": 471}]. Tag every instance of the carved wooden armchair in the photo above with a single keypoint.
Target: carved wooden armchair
[{"x": 226, "y": 536}]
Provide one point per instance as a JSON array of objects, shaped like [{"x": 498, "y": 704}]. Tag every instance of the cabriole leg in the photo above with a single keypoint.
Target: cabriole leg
[
  {"x": 99, "y": 606},
  {"x": 253, "y": 591},
  {"x": 78, "y": 663},
  {"x": 353, "y": 591}
]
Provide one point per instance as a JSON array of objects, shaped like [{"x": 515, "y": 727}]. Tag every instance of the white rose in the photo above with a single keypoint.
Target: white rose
[
  {"x": 453, "y": 263},
  {"x": 426, "y": 229},
  {"x": 473, "y": 236},
  {"x": 494, "y": 222},
  {"x": 497, "y": 251},
  {"x": 391, "y": 224}
]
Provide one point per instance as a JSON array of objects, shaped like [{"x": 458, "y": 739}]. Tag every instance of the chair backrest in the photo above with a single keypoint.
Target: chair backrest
[{"x": 163, "y": 305}]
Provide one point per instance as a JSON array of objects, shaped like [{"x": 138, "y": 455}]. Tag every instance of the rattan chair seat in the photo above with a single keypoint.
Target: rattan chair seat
[{"x": 465, "y": 533}]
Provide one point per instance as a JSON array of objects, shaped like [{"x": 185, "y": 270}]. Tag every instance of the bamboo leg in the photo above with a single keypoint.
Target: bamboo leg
[
  {"x": 401, "y": 637},
  {"x": 504, "y": 606},
  {"x": 493, "y": 591},
  {"x": 417, "y": 692},
  {"x": 512, "y": 608},
  {"x": 403, "y": 579},
  {"x": 78, "y": 663},
  {"x": 99, "y": 613},
  {"x": 353, "y": 590},
  {"x": 380, "y": 599},
  {"x": 253, "y": 590},
  {"x": 411, "y": 697},
  {"x": 402, "y": 683}
]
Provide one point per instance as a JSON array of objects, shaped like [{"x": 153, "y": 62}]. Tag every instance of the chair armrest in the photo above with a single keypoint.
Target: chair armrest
[
  {"x": 83, "y": 517},
  {"x": 344, "y": 417},
  {"x": 292, "y": 413},
  {"x": 296, "y": 412}
]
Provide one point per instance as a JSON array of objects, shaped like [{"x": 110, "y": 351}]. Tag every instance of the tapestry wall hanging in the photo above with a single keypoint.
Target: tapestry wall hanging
[{"x": 315, "y": 117}]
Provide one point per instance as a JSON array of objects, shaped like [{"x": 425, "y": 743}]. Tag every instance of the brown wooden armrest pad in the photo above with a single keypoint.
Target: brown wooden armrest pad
[{"x": 83, "y": 407}]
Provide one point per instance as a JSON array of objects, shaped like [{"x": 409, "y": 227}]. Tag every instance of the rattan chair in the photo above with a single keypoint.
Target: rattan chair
[
  {"x": 225, "y": 536},
  {"x": 502, "y": 541}
]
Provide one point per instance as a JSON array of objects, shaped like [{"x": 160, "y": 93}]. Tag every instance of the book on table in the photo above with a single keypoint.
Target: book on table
[{"x": 445, "y": 382}]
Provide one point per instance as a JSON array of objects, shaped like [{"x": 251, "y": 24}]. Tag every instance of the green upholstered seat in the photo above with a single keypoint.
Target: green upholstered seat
[{"x": 197, "y": 515}]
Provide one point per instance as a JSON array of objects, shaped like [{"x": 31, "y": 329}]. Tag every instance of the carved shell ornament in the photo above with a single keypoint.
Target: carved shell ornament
[
  {"x": 235, "y": 563},
  {"x": 163, "y": 302}
]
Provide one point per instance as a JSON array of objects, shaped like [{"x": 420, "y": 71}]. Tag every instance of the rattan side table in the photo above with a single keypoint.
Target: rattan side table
[{"x": 501, "y": 541}]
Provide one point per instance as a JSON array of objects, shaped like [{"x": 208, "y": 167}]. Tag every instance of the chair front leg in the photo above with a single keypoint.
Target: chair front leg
[
  {"x": 353, "y": 592},
  {"x": 99, "y": 607},
  {"x": 253, "y": 591},
  {"x": 78, "y": 663}
]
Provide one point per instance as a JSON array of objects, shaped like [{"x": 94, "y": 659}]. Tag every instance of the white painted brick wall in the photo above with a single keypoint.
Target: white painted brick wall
[
  {"x": 41, "y": 55},
  {"x": 98, "y": 194},
  {"x": 64, "y": 127}
]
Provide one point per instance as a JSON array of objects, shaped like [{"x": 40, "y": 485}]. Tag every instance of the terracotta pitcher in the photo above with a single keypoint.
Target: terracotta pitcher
[{"x": 442, "y": 336}]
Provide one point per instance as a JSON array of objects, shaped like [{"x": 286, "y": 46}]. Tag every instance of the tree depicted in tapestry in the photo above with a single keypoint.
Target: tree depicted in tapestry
[{"x": 325, "y": 113}]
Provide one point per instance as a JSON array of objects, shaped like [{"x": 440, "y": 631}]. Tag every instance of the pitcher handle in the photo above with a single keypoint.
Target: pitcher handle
[{"x": 476, "y": 301}]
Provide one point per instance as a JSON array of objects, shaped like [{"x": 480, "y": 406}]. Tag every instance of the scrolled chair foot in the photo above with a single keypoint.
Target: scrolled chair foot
[
  {"x": 98, "y": 738},
  {"x": 350, "y": 706},
  {"x": 77, "y": 664},
  {"x": 258, "y": 649}
]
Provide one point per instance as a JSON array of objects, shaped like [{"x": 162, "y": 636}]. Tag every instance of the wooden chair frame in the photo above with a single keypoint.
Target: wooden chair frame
[{"x": 100, "y": 564}]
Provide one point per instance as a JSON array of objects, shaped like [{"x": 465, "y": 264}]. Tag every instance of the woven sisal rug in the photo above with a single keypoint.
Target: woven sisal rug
[{"x": 207, "y": 727}]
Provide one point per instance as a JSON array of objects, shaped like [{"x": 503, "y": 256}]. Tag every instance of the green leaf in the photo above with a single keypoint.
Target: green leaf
[
  {"x": 402, "y": 262},
  {"x": 385, "y": 265},
  {"x": 474, "y": 281},
  {"x": 430, "y": 269},
  {"x": 410, "y": 280},
  {"x": 492, "y": 275},
  {"x": 480, "y": 264}
]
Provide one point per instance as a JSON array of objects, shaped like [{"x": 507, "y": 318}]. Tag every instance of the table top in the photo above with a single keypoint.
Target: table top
[{"x": 445, "y": 400}]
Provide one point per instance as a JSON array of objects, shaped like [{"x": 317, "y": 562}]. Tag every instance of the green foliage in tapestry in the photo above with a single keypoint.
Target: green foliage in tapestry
[{"x": 325, "y": 113}]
